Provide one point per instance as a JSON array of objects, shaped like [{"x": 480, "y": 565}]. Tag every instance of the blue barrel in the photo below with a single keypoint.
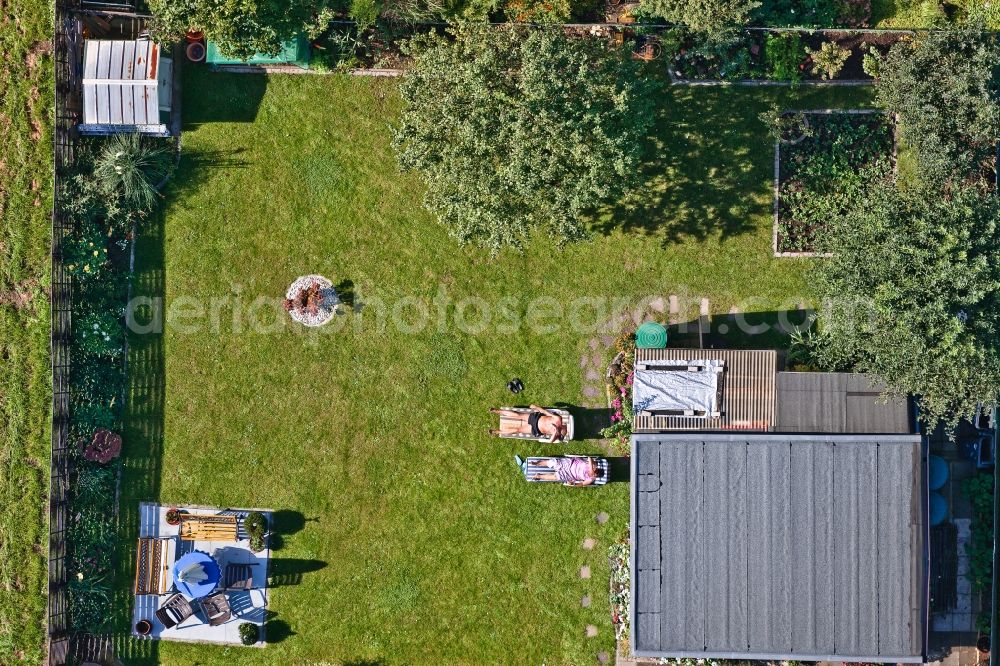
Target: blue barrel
[
  {"x": 939, "y": 509},
  {"x": 938, "y": 472}
]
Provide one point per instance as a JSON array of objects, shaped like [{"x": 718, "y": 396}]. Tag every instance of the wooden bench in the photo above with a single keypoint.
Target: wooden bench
[
  {"x": 209, "y": 528},
  {"x": 153, "y": 560}
]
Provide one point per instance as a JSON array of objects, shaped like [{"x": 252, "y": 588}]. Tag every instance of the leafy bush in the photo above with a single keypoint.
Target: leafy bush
[
  {"x": 823, "y": 174},
  {"x": 249, "y": 633},
  {"x": 93, "y": 488},
  {"x": 801, "y": 13},
  {"x": 703, "y": 15},
  {"x": 943, "y": 87},
  {"x": 914, "y": 294},
  {"x": 89, "y": 604},
  {"x": 256, "y": 526},
  {"x": 871, "y": 61},
  {"x": 129, "y": 167},
  {"x": 979, "y": 491},
  {"x": 94, "y": 381},
  {"x": 828, "y": 60},
  {"x": 86, "y": 419},
  {"x": 241, "y": 29},
  {"x": 622, "y": 419},
  {"x": 85, "y": 251},
  {"x": 538, "y": 11},
  {"x": 785, "y": 126},
  {"x": 365, "y": 12},
  {"x": 92, "y": 540},
  {"x": 493, "y": 122},
  {"x": 100, "y": 334},
  {"x": 784, "y": 53}
]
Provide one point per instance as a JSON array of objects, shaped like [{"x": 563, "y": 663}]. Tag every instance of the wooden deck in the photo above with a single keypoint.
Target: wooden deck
[{"x": 748, "y": 390}]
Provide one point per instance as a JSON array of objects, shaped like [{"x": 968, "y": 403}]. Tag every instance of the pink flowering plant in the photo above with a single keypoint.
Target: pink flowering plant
[{"x": 621, "y": 377}]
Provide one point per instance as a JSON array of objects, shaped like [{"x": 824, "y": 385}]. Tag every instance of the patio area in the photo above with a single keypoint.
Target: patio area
[{"x": 200, "y": 573}]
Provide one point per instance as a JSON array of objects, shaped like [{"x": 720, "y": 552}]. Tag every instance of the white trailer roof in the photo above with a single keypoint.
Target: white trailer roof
[{"x": 120, "y": 83}]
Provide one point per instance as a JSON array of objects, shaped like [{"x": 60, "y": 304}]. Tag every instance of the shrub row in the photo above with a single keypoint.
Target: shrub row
[{"x": 109, "y": 189}]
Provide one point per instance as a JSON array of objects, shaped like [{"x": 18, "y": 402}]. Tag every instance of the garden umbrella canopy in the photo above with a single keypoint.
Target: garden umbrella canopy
[{"x": 196, "y": 574}]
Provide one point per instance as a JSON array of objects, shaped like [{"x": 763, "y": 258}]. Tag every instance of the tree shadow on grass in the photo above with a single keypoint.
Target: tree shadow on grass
[
  {"x": 285, "y": 523},
  {"x": 705, "y": 169},
  {"x": 224, "y": 97},
  {"x": 275, "y": 630},
  {"x": 142, "y": 429},
  {"x": 284, "y": 571}
]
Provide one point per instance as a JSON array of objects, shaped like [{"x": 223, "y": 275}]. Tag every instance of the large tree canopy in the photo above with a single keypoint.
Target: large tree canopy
[
  {"x": 914, "y": 288},
  {"x": 517, "y": 129},
  {"x": 241, "y": 28},
  {"x": 943, "y": 87}
]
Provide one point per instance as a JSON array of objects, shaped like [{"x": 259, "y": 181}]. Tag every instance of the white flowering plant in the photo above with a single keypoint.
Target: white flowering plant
[{"x": 99, "y": 334}]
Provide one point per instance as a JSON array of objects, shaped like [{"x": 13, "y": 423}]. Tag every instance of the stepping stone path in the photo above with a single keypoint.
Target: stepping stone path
[
  {"x": 588, "y": 544},
  {"x": 601, "y": 518},
  {"x": 585, "y": 572},
  {"x": 591, "y": 631},
  {"x": 603, "y": 657},
  {"x": 585, "y": 602}
]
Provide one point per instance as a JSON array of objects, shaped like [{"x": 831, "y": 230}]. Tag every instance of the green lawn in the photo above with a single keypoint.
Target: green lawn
[
  {"x": 408, "y": 535},
  {"x": 25, "y": 388}
]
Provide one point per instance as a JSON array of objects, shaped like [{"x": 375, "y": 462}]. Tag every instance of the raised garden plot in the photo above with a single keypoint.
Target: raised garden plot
[
  {"x": 775, "y": 57},
  {"x": 820, "y": 158}
]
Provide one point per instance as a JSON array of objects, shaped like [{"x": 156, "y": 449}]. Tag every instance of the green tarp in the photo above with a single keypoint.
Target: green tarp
[{"x": 293, "y": 52}]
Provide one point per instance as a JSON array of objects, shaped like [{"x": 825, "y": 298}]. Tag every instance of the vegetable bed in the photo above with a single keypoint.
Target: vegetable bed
[{"x": 817, "y": 171}]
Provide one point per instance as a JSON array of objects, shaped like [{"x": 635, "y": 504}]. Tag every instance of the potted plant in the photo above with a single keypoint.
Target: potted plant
[
  {"x": 143, "y": 627},
  {"x": 249, "y": 633},
  {"x": 256, "y": 526},
  {"x": 173, "y": 516}
]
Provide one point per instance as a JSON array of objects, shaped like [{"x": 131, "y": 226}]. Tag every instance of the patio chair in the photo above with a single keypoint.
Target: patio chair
[
  {"x": 174, "y": 610},
  {"x": 567, "y": 420},
  {"x": 216, "y": 609},
  {"x": 239, "y": 576},
  {"x": 532, "y": 467}
]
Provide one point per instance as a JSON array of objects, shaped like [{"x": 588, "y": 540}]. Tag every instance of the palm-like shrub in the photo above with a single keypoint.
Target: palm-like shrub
[{"x": 129, "y": 167}]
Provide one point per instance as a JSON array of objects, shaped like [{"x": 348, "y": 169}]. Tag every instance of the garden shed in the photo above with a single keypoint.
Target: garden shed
[
  {"x": 779, "y": 547},
  {"x": 127, "y": 87}
]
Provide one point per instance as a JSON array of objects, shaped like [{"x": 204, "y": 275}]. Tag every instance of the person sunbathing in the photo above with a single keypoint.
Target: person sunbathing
[
  {"x": 539, "y": 421},
  {"x": 571, "y": 471}
]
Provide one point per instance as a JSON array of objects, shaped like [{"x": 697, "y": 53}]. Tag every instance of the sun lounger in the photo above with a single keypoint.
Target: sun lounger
[
  {"x": 532, "y": 467},
  {"x": 567, "y": 419}
]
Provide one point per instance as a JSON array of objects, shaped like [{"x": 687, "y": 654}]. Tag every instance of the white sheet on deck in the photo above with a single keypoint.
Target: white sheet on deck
[{"x": 677, "y": 390}]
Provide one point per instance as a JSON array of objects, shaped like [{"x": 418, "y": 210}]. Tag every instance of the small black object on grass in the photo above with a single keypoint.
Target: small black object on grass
[{"x": 515, "y": 385}]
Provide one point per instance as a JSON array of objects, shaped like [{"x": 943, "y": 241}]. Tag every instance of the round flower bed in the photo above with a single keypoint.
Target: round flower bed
[{"x": 311, "y": 300}]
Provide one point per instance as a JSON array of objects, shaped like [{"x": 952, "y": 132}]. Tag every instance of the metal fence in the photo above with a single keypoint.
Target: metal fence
[{"x": 66, "y": 105}]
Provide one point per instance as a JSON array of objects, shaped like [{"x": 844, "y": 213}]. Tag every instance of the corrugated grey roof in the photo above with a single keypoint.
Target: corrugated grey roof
[
  {"x": 778, "y": 546},
  {"x": 838, "y": 402}
]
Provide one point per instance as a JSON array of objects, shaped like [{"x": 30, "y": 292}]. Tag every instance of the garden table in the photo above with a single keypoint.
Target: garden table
[{"x": 196, "y": 574}]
